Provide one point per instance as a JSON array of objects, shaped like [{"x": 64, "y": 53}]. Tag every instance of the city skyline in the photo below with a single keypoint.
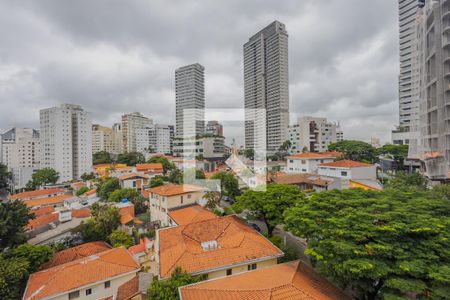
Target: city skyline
[{"x": 110, "y": 74}]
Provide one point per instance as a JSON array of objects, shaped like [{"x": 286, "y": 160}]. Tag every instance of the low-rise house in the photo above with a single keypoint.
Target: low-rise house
[
  {"x": 104, "y": 170},
  {"x": 128, "y": 219},
  {"x": 169, "y": 196},
  {"x": 136, "y": 288},
  {"x": 143, "y": 251},
  {"x": 55, "y": 201},
  {"x": 309, "y": 162},
  {"x": 216, "y": 247},
  {"x": 305, "y": 181},
  {"x": 96, "y": 276},
  {"x": 38, "y": 194},
  {"x": 43, "y": 217},
  {"x": 150, "y": 169},
  {"x": 190, "y": 213},
  {"x": 133, "y": 180},
  {"x": 348, "y": 169},
  {"x": 77, "y": 185},
  {"x": 291, "y": 280}
]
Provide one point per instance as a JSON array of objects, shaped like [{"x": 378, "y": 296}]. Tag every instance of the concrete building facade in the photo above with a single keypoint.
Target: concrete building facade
[
  {"x": 156, "y": 138},
  {"x": 190, "y": 100},
  {"x": 66, "y": 141},
  {"x": 312, "y": 134},
  {"x": 209, "y": 147},
  {"x": 20, "y": 152},
  {"x": 130, "y": 124},
  {"x": 106, "y": 139},
  {"x": 214, "y": 128},
  {"x": 266, "y": 87}
]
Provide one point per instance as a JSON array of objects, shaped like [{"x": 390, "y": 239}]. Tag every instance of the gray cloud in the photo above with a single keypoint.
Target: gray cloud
[{"x": 119, "y": 56}]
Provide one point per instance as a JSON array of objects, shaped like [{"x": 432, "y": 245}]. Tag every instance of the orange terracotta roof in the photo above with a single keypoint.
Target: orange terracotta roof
[
  {"x": 126, "y": 218},
  {"x": 145, "y": 193},
  {"x": 237, "y": 243},
  {"x": 42, "y": 211},
  {"x": 90, "y": 192},
  {"x": 129, "y": 289},
  {"x": 141, "y": 247},
  {"x": 132, "y": 175},
  {"x": 190, "y": 214},
  {"x": 152, "y": 166},
  {"x": 345, "y": 164},
  {"x": 42, "y": 220},
  {"x": 299, "y": 178},
  {"x": 48, "y": 201},
  {"x": 75, "y": 274},
  {"x": 81, "y": 213},
  {"x": 175, "y": 189},
  {"x": 78, "y": 185},
  {"x": 292, "y": 280},
  {"x": 36, "y": 193},
  {"x": 313, "y": 155},
  {"x": 74, "y": 253}
]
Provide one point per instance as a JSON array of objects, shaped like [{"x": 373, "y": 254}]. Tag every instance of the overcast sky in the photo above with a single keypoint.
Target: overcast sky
[{"x": 113, "y": 57}]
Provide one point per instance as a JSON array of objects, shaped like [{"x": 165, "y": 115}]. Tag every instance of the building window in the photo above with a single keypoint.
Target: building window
[
  {"x": 74, "y": 295},
  {"x": 343, "y": 173},
  {"x": 181, "y": 199},
  {"x": 229, "y": 272},
  {"x": 303, "y": 161},
  {"x": 88, "y": 292},
  {"x": 107, "y": 284},
  {"x": 251, "y": 267},
  {"x": 291, "y": 161},
  {"x": 189, "y": 196}
]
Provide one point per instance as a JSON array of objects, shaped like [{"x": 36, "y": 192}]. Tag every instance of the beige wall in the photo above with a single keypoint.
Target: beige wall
[
  {"x": 244, "y": 268},
  {"x": 99, "y": 291}
]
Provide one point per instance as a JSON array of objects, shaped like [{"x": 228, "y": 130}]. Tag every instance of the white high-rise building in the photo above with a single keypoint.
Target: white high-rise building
[
  {"x": 156, "y": 138},
  {"x": 130, "y": 124},
  {"x": 409, "y": 78},
  {"x": 106, "y": 139},
  {"x": 266, "y": 86},
  {"x": 190, "y": 100},
  {"x": 66, "y": 141},
  {"x": 20, "y": 152},
  {"x": 311, "y": 134}
]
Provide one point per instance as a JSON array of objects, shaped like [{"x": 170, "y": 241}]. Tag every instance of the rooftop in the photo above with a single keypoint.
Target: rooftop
[
  {"x": 190, "y": 214},
  {"x": 345, "y": 164},
  {"x": 292, "y": 280},
  {"x": 234, "y": 242},
  {"x": 75, "y": 274},
  {"x": 48, "y": 200},
  {"x": 175, "y": 189},
  {"x": 315, "y": 155},
  {"x": 299, "y": 178},
  {"x": 145, "y": 167},
  {"x": 132, "y": 175},
  {"x": 36, "y": 193}
]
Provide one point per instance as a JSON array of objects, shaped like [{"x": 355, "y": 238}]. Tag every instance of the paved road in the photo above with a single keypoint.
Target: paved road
[{"x": 54, "y": 234}]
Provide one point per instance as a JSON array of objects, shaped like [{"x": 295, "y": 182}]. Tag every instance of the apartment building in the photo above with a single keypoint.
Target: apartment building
[
  {"x": 130, "y": 124},
  {"x": 156, "y": 138},
  {"x": 214, "y": 128},
  {"x": 20, "y": 152},
  {"x": 190, "y": 100},
  {"x": 266, "y": 87},
  {"x": 66, "y": 141},
  {"x": 169, "y": 196},
  {"x": 312, "y": 134},
  {"x": 308, "y": 162},
  {"x": 106, "y": 139},
  {"x": 210, "y": 147}
]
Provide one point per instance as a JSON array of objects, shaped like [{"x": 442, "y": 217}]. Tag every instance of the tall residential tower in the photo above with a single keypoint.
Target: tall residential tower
[
  {"x": 190, "y": 100},
  {"x": 266, "y": 87}
]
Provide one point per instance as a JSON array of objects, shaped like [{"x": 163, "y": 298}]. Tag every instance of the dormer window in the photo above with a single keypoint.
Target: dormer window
[{"x": 210, "y": 245}]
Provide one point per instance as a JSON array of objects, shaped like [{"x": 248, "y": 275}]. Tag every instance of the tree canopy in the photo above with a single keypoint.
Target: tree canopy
[
  {"x": 120, "y": 238},
  {"x": 269, "y": 205},
  {"x": 383, "y": 245},
  {"x": 167, "y": 165},
  {"x": 5, "y": 176},
  {"x": 105, "y": 219},
  {"x": 102, "y": 157},
  {"x": 82, "y": 190},
  {"x": 119, "y": 194},
  {"x": 105, "y": 188},
  {"x": 405, "y": 181},
  {"x": 355, "y": 150},
  {"x": 43, "y": 177},
  {"x": 87, "y": 176},
  {"x": 14, "y": 215},
  {"x": 168, "y": 289},
  {"x": 156, "y": 181},
  {"x": 131, "y": 158},
  {"x": 229, "y": 185}
]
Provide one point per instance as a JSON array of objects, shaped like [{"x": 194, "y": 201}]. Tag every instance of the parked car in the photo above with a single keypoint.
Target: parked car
[
  {"x": 229, "y": 200},
  {"x": 254, "y": 226}
]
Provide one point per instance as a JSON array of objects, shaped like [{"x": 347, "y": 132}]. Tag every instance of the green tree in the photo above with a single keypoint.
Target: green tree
[
  {"x": 82, "y": 190},
  {"x": 249, "y": 153},
  {"x": 167, "y": 165},
  {"x": 43, "y": 177},
  {"x": 355, "y": 150},
  {"x": 87, "y": 176},
  {"x": 102, "y": 157},
  {"x": 168, "y": 289},
  {"x": 212, "y": 200},
  {"x": 13, "y": 276},
  {"x": 128, "y": 193},
  {"x": 105, "y": 219},
  {"x": 156, "y": 181},
  {"x": 441, "y": 191},
  {"x": 120, "y": 238},
  {"x": 229, "y": 185},
  {"x": 131, "y": 158},
  {"x": 382, "y": 245},
  {"x": 36, "y": 255},
  {"x": 403, "y": 180},
  {"x": 289, "y": 252},
  {"x": 14, "y": 215},
  {"x": 176, "y": 176},
  {"x": 269, "y": 205},
  {"x": 105, "y": 188},
  {"x": 5, "y": 176}
]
